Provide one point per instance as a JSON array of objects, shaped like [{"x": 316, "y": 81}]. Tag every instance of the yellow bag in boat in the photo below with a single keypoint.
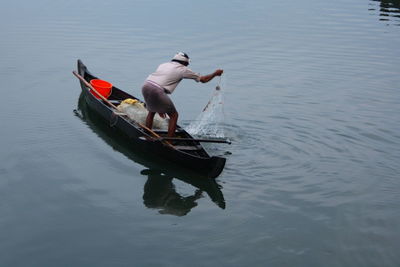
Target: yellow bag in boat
[{"x": 130, "y": 101}]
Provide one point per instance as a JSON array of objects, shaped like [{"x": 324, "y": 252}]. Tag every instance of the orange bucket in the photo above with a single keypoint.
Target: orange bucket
[{"x": 103, "y": 87}]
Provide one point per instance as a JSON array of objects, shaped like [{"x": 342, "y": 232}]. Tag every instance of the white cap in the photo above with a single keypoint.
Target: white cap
[{"x": 181, "y": 56}]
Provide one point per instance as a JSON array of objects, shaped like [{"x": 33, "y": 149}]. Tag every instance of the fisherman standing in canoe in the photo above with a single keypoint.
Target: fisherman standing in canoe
[{"x": 163, "y": 82}]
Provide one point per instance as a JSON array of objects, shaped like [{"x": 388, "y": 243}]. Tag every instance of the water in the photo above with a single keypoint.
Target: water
[{"x": 311, "y": 105}]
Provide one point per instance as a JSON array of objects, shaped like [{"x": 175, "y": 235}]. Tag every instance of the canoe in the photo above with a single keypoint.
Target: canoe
[{"x": 188, "y": 154}]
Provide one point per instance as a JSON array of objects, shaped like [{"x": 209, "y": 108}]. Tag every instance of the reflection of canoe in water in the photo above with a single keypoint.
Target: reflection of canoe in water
[
  {"x": 160, "y": 193},
  {"x": 160, "y": 172},
  {"x": 189, "y": 154}
]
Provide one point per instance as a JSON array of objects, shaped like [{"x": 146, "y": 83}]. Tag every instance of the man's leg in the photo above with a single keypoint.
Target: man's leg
[
  {"x": 173, "y": 119},
  {"x": 149, "y": 119}
]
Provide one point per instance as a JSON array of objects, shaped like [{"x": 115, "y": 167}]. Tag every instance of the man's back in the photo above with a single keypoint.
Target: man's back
[{"x": 168, "y": 75}]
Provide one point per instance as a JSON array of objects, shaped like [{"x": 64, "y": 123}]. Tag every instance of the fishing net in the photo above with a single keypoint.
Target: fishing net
[
  {"x": 210, "y": 121},
  {"x": 137, "y": 112}
]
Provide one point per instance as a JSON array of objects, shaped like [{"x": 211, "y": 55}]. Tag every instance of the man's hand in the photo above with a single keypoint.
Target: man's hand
[
  {"x": 218, "y": 72},
  {"x": 209, "y": 77}
]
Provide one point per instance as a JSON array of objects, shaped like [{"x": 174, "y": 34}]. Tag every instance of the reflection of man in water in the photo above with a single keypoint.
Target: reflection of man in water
[{"x": 160, "y": 193}]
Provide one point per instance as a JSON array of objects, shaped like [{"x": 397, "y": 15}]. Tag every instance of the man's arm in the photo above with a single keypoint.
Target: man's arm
[{"x": 209, "y": 77}]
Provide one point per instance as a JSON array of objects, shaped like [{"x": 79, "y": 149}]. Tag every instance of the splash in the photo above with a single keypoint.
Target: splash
[{"x": 210, "y": 121}]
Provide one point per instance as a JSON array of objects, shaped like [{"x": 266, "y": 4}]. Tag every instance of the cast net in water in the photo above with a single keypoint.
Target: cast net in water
[{"x": 210, "y": 121}]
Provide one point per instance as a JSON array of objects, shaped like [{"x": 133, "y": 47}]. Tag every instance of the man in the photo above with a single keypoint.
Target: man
[{"x": 163, "y": 82}]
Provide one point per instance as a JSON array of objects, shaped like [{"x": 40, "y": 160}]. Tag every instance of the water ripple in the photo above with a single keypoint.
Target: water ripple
[{"x": 311, "y": 106}]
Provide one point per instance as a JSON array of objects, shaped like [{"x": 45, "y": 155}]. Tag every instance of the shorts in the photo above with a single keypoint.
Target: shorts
[{"x": 156, "y": 99}]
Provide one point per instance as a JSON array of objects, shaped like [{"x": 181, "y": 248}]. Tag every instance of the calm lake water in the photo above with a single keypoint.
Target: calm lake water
[{"x": 312, "y": 105}]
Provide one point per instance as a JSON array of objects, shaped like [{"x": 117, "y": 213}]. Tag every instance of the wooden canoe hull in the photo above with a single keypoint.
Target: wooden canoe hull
[{"x": 200, "y": 161}]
